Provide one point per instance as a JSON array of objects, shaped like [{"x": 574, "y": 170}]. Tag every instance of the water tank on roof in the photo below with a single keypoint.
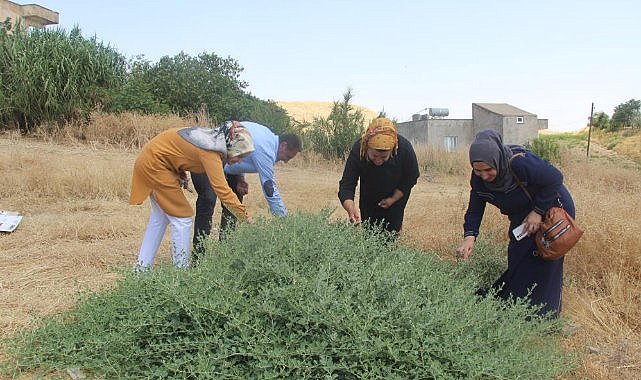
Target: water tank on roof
[{"x": 439, "y": 112}]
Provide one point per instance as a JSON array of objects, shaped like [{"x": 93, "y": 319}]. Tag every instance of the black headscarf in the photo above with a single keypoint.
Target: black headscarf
[{"x": 488, "y": 148}]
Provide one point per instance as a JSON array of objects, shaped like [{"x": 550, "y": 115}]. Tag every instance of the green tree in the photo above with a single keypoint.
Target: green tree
[
  {"x": 186, "y": 83},
  {"x": 136, "y": 93},
  {"x": 601, "y": 120},
  {"x": 334, "y": 136},
  {"x": 190, "y": 85},
  {"x": 627, "y": 115},
  {"x": 49, "y": 76},
  {"x": 265, "y": 112}
]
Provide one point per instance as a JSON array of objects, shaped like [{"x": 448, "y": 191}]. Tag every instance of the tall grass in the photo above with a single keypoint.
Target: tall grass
[
  {"x": 127, "y": 130},
  {"x": 435, "y": 161},
  {"x": 51, "y": 76}
]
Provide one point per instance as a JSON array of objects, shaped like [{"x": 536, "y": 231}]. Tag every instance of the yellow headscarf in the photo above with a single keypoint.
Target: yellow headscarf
[{"x": 381, "y": 135}]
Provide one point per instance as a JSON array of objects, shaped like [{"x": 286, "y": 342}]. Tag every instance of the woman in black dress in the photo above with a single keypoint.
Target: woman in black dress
[{"x": 386, "y": 165}]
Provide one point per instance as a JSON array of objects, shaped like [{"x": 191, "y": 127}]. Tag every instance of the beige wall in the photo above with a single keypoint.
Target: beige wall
[
  {"x": 30, "y": 14},
  {"x": 437, "y": 132}
]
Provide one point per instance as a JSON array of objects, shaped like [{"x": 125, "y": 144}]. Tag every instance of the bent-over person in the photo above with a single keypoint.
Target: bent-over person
[
  {"x": 159, "y": 173},
  {"x": 386, "y": 165},
  {"x": 495, "y": 180}
]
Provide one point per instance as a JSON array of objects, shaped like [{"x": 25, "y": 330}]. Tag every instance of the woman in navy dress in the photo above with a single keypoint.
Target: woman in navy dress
[{"x": 494, "y": 182}]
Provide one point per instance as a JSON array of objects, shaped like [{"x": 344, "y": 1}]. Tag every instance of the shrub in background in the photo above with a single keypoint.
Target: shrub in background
[
  {"x": 50, "y": 78},
  {"x": 626, "y": 115},
  {"x": 297, "y": 297},
  {"x": 186, "y": 85},
  {"x": 334, "y": 136},
  {"x": 546, "y": 147},
  {"x": 136, "y": 94},
  {"x": 601, "y": 120},
  {"x": 265, "y": 112}
]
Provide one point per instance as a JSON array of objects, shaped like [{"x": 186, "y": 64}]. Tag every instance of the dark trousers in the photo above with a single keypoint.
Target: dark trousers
[{"x": 205, "y": 210}]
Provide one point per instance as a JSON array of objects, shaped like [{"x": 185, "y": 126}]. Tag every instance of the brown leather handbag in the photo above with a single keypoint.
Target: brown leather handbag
[
  {"x": 558, "y": 231},
  {"x": 557, "y": 234}
]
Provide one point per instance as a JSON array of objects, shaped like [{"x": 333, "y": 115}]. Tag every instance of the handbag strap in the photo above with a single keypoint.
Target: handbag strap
[{"x": 518, "y": 181}]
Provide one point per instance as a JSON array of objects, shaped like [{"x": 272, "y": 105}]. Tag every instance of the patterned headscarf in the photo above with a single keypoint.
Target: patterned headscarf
[
  {"x": 240, "y": 142},
  {"x": 380, "y": 135},
  {"x": 488, "y": 148},
  {"x": 229, "y": 138}
]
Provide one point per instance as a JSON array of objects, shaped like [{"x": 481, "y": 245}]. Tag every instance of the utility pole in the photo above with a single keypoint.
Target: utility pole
[{"x": 587, "y": 153}]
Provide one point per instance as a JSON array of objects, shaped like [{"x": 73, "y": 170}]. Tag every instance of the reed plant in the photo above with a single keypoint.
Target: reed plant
[{"x": 51, "y": 76}]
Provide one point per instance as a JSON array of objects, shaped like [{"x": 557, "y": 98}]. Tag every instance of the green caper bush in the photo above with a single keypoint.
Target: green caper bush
[{"x": 298, "y": 297}]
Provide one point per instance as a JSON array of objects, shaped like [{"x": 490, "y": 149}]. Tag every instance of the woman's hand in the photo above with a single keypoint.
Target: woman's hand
[
  {"x": 352, "y": 211},
  {"x": 532, "y": 223},
  {"x": 465, "y": 250},
  {"x": 389, "y": 201},
  {"x": 386, "y": 202}
]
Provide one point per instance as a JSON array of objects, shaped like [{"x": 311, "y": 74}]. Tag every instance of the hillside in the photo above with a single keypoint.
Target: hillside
[
  {"x": 623, "y": 146},
  {"x": 626, "y": 142},
  {"x": 307, "y": 111}
]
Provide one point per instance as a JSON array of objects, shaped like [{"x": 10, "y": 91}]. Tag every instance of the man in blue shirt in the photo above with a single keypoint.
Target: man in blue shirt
[{"x": 269, "y": 149}]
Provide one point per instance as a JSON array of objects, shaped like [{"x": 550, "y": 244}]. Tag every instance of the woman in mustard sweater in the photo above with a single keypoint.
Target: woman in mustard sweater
[{"x": 159, "y": 173}]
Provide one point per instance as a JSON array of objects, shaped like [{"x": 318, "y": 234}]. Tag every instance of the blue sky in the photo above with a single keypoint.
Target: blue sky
[{"x": 551, "y": 58}]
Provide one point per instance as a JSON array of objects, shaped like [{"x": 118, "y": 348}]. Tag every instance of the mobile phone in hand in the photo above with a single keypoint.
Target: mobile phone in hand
[{"x": 520, "y": 232}]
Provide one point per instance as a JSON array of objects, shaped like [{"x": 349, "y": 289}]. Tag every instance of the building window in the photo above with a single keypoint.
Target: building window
[
  {"x": 450, "y": 143},
  {"x": 519, "y": 120}
]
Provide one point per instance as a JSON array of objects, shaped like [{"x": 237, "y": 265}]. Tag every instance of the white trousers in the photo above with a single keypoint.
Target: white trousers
[{"x": 180, "y": 237}]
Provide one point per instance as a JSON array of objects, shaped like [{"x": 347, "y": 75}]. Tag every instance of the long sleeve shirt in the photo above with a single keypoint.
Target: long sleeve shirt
[
  {"x": 262, "y": 161},
  {"x": 377, "y": 182}
]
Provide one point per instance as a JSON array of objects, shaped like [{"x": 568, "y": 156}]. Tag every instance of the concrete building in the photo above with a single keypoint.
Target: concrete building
[
  {"x": 30, "y": 15},
  {"x": 516, "y": 125}
]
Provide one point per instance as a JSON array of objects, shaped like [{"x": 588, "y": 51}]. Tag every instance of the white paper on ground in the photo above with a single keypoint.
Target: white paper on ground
[{"x": 9, "y": 221}]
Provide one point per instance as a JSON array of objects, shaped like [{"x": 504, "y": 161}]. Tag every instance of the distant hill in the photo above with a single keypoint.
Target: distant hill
[{"x": 307, "y": 111}]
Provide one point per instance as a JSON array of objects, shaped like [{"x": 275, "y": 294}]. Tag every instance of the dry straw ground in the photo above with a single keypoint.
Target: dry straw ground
[{"x": 78, "y": 227}]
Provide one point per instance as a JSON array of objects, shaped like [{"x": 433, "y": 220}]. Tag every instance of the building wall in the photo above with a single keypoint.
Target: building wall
[
  {"x": 30, "y": 14},
  {"x": 423, "y": 131},
  {"x": 483, "y": 119},
  {"x": 520, "y": 133},
  {"x": 415, "y": 131},
  {"x": 10, "y": 10},
  {"x": 512, "y": 132},
  {"x": 441, "y": 130},
  {"x": 434, "y": 131}
]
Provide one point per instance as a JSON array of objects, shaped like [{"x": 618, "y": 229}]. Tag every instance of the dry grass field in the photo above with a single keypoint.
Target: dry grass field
[{"x": 73, "y": 188}]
